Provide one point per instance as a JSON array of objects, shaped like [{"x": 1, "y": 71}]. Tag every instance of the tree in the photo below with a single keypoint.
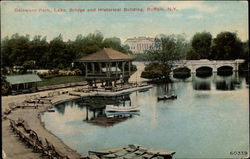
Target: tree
[
  {"x": 15, "y": 50},
  {"x": 192, "y": 55},
  {"x": 226, "y": 46},
  {"x": 166, "y": 50},
  {"x": 28, "y": 65},
  {"x": 245, "y": 52},
  {"x": 155, "y": 71},
  {"x": 57, "y": 56},
  {"x": 201, "y": 43},
  {"x": 38, "y": 51},
  {"x": 5, "y": 87},
  {"x": 20, "y": 50},
  {"x": 115, "y": 43}
]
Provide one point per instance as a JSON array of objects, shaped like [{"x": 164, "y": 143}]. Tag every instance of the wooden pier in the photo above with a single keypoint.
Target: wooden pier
[{"x": 130, "y": 152}]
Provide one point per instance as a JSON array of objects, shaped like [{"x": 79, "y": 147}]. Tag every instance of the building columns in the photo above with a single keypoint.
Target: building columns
[
  {"x": 106, "y": 66},
  {"x": 123, "y": 69},
  {"x": 86, "y": 70},
  {"x": 93, "y": 67},
  {"x": 129, "y": 67},
  {"x": 116, "y": 65},
  {"x": 100, "y": 66}
]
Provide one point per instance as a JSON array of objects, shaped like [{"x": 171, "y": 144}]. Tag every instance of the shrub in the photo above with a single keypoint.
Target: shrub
[
  {"x": 156, "y": 71},
  {"x": 5, "y": 88}
]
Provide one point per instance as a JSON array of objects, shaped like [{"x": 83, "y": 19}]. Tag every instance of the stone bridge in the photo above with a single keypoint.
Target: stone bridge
[{"x": 193, "y": 65}]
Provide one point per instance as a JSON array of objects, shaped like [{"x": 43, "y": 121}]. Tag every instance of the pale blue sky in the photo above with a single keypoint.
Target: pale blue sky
[{"x": 190, "y": 17}]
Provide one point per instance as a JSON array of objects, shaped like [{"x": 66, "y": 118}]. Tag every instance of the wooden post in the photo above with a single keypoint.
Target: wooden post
[
  {"x": 129, "y": 67},
  {"x": 106, "y": 65},
  {"x": 123, "y": 70},
  {"x": 93, "y": 68},
  {"x": 86, "y": 69},
  {"x": 100, "y": 66},
  {"x": 110, "y": 69},
  {"x": 116, "y": 65}
]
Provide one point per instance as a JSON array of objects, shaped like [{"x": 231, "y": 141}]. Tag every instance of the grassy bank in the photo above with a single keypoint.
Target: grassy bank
[{"x": 60, "y": 80}]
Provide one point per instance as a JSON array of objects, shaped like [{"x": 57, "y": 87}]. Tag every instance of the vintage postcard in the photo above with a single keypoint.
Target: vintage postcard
[{"x": 124, "y": 79}]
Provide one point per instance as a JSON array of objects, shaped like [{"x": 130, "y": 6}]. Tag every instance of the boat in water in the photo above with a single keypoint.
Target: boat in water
[
  {"x": 166, "y": 97},
  {"x": 112, "y": 108},
  {"x": 121, "y": 114},
  {"x": 51, "y": 110}
]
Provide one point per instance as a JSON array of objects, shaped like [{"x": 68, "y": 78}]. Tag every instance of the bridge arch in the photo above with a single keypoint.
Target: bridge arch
[
  {"x": 214, "y": 64},
  {"x": 204, "y": 71},
  {"x": 225, "y": 70},
  {"x": 181, "y": 72}
]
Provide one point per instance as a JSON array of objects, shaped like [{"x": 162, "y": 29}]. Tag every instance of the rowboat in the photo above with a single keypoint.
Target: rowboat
[
  {"x": 112, "y": 108},
  {"x": 121, "y": 114},
  {"x": 165, "y": 97},
  {"x": 51, "y": 110}
]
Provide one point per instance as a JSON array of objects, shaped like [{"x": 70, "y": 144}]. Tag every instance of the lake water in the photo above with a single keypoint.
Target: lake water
[{"x": 209, "y": 119}]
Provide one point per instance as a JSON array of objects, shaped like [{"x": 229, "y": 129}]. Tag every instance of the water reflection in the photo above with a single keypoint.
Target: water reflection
[
  {"x": 225, "y": 85},
  {"x": 202, "y": 85},
  {"x": 223, "y": 82},
  {"x": 165, "y": 89},
  {"x": 95, "y": 110},
  {"x": 196, "y": 117},
  {"x": 60, "y": 108}
]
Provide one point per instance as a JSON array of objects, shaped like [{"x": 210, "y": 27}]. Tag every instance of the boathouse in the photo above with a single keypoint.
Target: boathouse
[
  {"x": 107, "y": 66},
  {"x": 23, "y": 83}
]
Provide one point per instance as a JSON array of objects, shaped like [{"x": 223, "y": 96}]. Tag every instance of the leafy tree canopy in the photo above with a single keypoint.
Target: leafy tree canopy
[
  {"x": 226, "y": 46},
  {"x": 201, "y": 43}
]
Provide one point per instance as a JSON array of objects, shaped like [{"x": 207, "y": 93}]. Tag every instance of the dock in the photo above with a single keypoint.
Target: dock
[
  {"x": 130, "y": 152},
  {"x": 99, "y": 93}
]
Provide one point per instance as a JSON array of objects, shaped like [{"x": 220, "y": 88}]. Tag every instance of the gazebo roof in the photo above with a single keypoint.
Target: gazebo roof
[{"x": 106, "y": 54}]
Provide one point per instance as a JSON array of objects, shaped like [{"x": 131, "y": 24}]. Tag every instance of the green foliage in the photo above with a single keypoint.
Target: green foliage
[
  {"x": 28, "y": 65},
  {"x": 5, "y": 87},
  {"x": 226, "y": 46},
  {"x": 245, "y": 52},
  {"x": 133, "y": 68},
  {"x": 20, "y": 50},
  {"x": 167, "y": 49},
  {"x": 192, "y": 55},
  {"x": 182, "y": 73},
  {"x": 201, "y": 44},
  {"x": 156, "y": 71}
]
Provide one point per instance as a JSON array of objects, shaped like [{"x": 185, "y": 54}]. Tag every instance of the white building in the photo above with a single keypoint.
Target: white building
[{"x": 139, "y": 44}]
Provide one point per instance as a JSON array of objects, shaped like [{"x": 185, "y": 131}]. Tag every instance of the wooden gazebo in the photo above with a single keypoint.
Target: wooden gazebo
[{"x": 107, "y": 66}]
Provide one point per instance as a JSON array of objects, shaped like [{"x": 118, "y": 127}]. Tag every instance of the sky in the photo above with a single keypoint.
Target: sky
[{"x": 185, "y": 17}]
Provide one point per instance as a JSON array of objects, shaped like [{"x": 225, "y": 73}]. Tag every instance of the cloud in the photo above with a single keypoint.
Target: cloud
[
  {"x": 175, "y": 15},
  {"x": 197, "y": 16},
  {"x": 183, "y": 5}
]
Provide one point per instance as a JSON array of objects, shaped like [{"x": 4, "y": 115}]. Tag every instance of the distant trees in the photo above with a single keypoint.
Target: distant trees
[
  {"x": 245, "y": 52},
  {"x": 201, "y": 44},
  {"x": 225, "y": 46},
  {"x": 38, "y": 53}
]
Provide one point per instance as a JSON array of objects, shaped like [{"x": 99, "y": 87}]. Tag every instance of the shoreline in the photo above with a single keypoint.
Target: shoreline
[{"x": 33, "y": 118}]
